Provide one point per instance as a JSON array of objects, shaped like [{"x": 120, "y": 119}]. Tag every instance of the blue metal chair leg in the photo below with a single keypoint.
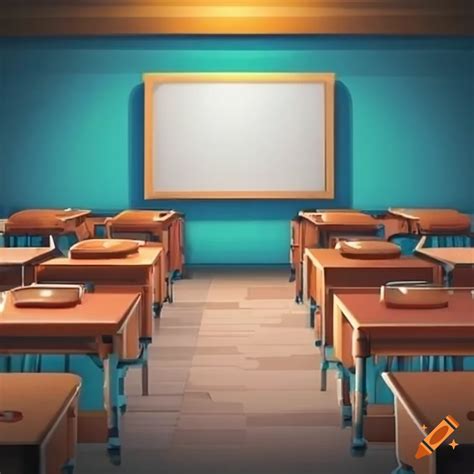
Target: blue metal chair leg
[
  {"x": 28, "y": 363},
  {"x": 345, "y": 397},
  {"x": 68, "y": 468},
  {"x": 312, "y": 312},
  {"x": 157, "y": 309},
  {"x": 403, "y": 469},
  {"x": 145, "y": 375},
  {"x": 169, "y": 285},
  {"x": 324, "y": 373},
  {"x": 122, "y": 397},
  {"x": 141, "y": 361},
  {"x": 113, "y": 411},
  {"x": 292, "y": 277},
  {"x": 359, "y": 444},
  {"x": 458, "y": 363},
  {"x": 299, "y": 298}
]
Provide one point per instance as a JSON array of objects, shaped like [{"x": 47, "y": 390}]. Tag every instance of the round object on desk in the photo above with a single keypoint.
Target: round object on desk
[
  {"x": 368, "y": 249},
  {"x": 414, "y": 295},
  {"x": 104, "y": 248},
  {"x": 47, "y": 296},
  {"x": 10, "y": 416}
]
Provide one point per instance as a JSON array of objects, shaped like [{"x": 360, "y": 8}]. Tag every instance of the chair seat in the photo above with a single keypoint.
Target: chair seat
[
  {"x": 347, "y": 218},
  {"x": 137, "y": 221},
  {"x": 437, "y": 221},
  {"x": 35, "y": 222},
  {"x": 443, "y": 222}
]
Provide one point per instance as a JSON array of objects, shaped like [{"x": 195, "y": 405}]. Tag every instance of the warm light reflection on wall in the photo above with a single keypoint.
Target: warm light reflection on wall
[{"x": 102, "y": 17}]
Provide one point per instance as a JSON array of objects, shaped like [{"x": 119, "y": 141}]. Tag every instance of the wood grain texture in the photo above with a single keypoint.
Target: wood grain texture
[
  {"x": 41, "y": 410},
  {"x": 449, "y": 255},
  {"x": 107, "y": 17}
]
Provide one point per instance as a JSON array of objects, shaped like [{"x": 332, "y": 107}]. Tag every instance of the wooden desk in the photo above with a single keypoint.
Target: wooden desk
[
  {"x": 308, "y": 231},
  {"x": 364, "y": 327},
  {"x": 432, "y": 221},
  {"x": 44, "y": 440},
  {"x": 165, "y": 226},
  {"x": 457, "y": 263},
  {"x": 17, "y": 264},
  {"x": 326, "y": 270},
  {"x": 141, "y": 272},
  {"x": 416, "y": 406},
  {"x": 105, "y": 326},
  {"x": 46, "y": 222}
]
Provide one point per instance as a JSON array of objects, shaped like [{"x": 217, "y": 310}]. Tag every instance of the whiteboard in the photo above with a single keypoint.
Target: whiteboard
[{"x": 211, "y": 137}]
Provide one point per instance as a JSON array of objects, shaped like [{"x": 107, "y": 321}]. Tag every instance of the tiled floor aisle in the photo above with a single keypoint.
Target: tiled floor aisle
[{"x": 234, "y": 388}]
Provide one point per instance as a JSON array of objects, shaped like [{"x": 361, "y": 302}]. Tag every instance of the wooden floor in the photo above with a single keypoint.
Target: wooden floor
[{"x": 234, "y": 388}]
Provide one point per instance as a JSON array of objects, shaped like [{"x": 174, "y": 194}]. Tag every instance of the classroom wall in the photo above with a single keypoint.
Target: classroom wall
[
  {"x": 2, "y": 139},
  {"x": 71, "y": 127}
]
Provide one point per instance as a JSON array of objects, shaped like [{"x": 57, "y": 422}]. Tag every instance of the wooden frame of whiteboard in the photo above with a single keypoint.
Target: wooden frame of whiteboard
[{"x": 152, "y": 79}]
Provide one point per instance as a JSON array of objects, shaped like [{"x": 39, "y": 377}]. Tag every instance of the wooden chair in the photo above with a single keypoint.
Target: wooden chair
[
  {"x": 43, "y": 223},
  {"x": 164, "y": 227}
]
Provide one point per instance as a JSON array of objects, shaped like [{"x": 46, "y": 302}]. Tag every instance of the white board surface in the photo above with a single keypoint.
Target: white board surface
[{"x": 232, "y": 137}]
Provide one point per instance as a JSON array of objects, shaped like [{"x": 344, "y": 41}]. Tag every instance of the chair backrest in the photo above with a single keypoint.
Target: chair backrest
[
  {"x": 457, "y": 240},
  {"x": 34, "y": 222},
  {"x": 135, "y": 224},
  {"x": 346, "y": 218},
  {"x": 444, "y": 222},
  {"x": 406, "y": 242}
]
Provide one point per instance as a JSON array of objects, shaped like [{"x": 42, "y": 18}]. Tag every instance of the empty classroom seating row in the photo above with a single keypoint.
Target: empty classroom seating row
[
  {"x": 323, "y": 228},
  {"x": 88, "y": 310},
  {"x": 387, "y": 319},
  {"x": 79, "y": 318}
]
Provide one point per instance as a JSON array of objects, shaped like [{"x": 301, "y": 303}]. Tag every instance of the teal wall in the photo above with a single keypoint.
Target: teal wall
[
  {"x": 2, "y": 138},
  {"x": 71, "y": 127}
]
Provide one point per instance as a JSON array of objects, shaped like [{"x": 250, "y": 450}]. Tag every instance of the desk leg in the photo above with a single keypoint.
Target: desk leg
[
  {"x": 169, "y": 287},
  {"x": 359, "y": 444},
  {"x": 301, "y": 281},
  {"x": 344, "y": 395},
  {"x": 324, "y": 368},
  {"x": 82, "y": 232},
  {"x": 111, "y": 388},
  {"x": 448, "y": 275},
  {"x": 68, "y": 468},
  {"x": 157, "y": 309},
  {"x": 313, "y": 307},
  {"x": 292, "y": 274},
  {"x": 448, "y": 271},
  {"x": 145, "y": 376},
  {"x": 23, "y": 275},
  {"x": 403, "y": 469}
]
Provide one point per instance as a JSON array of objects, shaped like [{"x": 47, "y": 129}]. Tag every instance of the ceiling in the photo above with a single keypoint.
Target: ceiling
[{"x": 145, "y": 17}]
